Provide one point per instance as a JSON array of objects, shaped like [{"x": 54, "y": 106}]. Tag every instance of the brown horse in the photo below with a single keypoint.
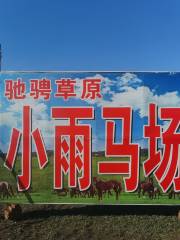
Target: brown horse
[
  {"x": 172, "y": 194},
  {"x": 157, "y": 193},
  {"x": 90, "y": 192},
  {"x": 146, "y": 186},
  {"x": 61, "y": 192},
  {"x": 154, "y": 194},
  {"x": 106, "y": 187},
  {"x": 75, "y": 192},
  {"x": 6, "y": 190}
]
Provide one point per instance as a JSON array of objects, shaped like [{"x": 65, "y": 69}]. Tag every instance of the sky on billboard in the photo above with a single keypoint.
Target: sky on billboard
[{"x": 136, "y": 89}]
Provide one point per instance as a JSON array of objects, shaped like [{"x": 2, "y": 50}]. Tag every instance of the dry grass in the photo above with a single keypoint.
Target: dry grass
[{"x": 88, "y": 222}]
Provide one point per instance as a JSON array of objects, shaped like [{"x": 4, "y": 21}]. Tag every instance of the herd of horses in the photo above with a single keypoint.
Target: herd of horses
[
  {"x": 108, "y": 188},
  {"x": 99, "y": 188},
  {"x": 147, "y": 186}
]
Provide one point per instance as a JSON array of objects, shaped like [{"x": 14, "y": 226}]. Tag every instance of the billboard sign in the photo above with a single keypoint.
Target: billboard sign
[{"x": 90, "y": 137}]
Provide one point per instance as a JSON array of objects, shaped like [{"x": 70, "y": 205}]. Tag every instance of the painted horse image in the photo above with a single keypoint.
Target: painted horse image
[
  {"x": 172, "y": 194},
  {"x": 6, "y": 190},
  {"x": 146, "y": 186},
  {"x": 107, "y": 187}
]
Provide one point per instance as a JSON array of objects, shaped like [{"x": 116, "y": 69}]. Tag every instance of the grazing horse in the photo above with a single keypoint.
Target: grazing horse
[
  {"x": 61, "y": 192},
  {"x": 75, "y": 192},
  {"x": 90, "y": 192},
  {"x": 117, "y": 188},
  {"x": 144, "y": 187},
  {"x": 157, "y": 192},
  {"x": 172, "y": 194},
  {"x": 154, "y": 194},
  {"x": 106, "y": 187},
  {"x": 6, "y": 190}
]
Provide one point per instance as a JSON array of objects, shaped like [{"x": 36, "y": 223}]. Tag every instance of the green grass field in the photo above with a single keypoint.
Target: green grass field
[{"x": 42, "y": 187}]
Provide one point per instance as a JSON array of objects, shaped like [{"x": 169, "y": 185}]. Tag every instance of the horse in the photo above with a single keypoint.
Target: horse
[
  {"x": 157, "y": 192},
  {"x": 117, "y": 188},
  {"x": 90, "y": 192},
  {"x": 144, "y": 187},
  {"x": 75, "y": 192},
  {"x": 106, "y": 187},
  {"x": 61, "y": 192},
  {"x": 172, "y": 194},
  {"x": 6, "y": 190},
  {"x": 153, "y": 194}
]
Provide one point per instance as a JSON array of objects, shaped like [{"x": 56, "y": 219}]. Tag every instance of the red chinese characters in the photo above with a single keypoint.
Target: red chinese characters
[
  {"x": 166, "y": 165},
  {"x": 153, "y": 132},
  {"x": 91, "y": 89},
  {"x": 40, "y": 87},
  {"x": 24, "y": 180},
  {"x": 73, "y": 147},
  {"x": 126, "y": 148},
  {"x": 15, "y": 89},
  {"x": 65, "y": 88},
  {"x": 72, "y": 155}
]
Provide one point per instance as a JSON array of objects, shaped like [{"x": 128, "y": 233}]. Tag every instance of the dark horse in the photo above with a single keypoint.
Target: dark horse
[
  {"x": 146, "y": 186},
  {"x": 172, "y": 194},
  {"x": 106, "y": 187},
  {"x": 6, "y": 190}
]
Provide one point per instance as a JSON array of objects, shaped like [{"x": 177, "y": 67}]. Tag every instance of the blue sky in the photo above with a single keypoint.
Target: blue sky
[{"x": 90, "y": 35}]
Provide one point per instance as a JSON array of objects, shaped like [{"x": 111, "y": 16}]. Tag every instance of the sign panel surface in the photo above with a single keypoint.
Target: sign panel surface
[{"x": 90, "y": 137}]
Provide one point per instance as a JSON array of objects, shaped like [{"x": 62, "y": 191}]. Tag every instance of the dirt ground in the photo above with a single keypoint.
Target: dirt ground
[{"x": 92, "y": 222}]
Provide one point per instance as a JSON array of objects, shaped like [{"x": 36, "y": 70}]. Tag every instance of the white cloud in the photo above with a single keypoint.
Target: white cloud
[
  {"x": 9, "y": 119},
  {"x": 139, "y": 98},
  {"x": 131, "y": 93},
  {"x": 39, "y": 107},
  {"x": 129, "y": 97},
  {"x": 126, "y": 84},
  {"x": 12, "y": 117},
  {"x": 128, "y": 79}
]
